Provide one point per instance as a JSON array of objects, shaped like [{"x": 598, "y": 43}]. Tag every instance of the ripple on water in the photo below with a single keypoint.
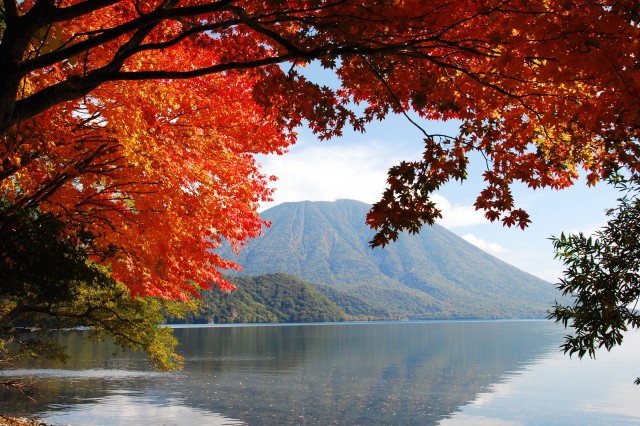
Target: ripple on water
[{"x": 80, "y": 374}]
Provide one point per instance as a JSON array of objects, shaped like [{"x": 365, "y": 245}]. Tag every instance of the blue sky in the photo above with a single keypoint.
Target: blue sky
[{"x": 354, "y": 166}]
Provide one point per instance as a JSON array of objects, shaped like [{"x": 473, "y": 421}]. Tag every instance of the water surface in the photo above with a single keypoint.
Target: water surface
[{"x": 404, "y": 373}]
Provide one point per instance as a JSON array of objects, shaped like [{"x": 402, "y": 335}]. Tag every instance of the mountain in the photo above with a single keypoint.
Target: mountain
[
  {"x": 266, "y": 298},
  {"x": 434, "y": 274}
]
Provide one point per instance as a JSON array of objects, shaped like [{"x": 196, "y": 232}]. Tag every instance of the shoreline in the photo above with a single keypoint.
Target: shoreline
[{"x": 21, "y": 421}]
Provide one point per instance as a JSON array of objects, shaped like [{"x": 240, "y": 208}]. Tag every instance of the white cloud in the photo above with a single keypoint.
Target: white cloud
[
  {"x": 327, "y": 171},
  {"x": 330, "y": 171},
  {"x": 588, "y": 231},
  {"x": 493, "y": 248},
  {"x": 455, "y": 215}
]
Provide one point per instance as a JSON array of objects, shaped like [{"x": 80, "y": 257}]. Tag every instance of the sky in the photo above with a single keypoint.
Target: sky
[{"x": 355, "y": 166}]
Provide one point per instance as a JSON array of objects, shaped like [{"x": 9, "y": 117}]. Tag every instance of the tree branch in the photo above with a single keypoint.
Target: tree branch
[{"x": 111, "y": 34}]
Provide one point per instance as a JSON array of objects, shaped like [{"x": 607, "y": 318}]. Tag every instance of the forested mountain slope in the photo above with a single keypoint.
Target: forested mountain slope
[
  {"x": 266, "y": 298},
  {"x": 435, "y": 274}
]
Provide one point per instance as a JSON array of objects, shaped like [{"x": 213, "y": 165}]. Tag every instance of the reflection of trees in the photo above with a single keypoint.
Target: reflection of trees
[
  {"x": 246, "y": 348},
  {"x": 81, "y": 387},
  {"x": 392, "y": 373}
]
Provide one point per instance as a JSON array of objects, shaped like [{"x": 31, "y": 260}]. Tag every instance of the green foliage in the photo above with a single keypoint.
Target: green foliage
[
  {"x": 354, "y": 307},
  {"x": 603, "y": 278},
  {"x": 49, "y": 285},
  {"x": 265, "y": 299}
]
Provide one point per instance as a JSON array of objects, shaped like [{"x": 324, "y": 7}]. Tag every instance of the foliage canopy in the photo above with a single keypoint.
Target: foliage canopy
[
  {"x": 140, "y": 117},
  {"x": 603, "y": 277}
]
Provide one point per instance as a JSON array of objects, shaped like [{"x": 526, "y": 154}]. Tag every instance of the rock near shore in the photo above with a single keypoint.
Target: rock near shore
[{"x": 20, "y": 421}]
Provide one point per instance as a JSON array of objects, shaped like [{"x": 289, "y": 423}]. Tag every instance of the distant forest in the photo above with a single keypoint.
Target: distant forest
[
  {"x": 284, "y": 298},
  {"x": 268, "y": 298}
]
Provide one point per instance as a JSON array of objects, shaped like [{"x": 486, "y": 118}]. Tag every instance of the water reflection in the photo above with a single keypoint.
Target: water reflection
[
  {"x": 392, "y": 373},
  {"x": 125, "y": 407},
  {"x": 557, "y": 390},
  {"x": 447, "y": 373}
]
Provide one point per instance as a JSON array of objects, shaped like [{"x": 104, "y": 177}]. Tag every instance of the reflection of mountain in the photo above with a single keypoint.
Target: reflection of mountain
[
  {"x": 366, "y": 373},
  {"x": 435, "y": 274}
]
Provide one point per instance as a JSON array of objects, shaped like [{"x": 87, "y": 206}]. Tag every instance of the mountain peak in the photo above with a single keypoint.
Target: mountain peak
[{"x": 435, "y": 274}]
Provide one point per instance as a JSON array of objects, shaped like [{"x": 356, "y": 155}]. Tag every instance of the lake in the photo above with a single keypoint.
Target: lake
[{"x": 387, "y": 373}]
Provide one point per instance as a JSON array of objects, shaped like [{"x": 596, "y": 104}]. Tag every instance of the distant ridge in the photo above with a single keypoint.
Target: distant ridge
[
  {"x": 268, "y": 298},
  {"x": 435, "y": 274}
]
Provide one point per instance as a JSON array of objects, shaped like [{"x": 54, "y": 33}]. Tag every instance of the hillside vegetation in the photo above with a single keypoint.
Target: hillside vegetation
[{"x": 265, "y": 299}]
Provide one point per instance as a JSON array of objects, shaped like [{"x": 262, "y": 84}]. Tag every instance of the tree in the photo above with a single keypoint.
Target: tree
[
  {"x": 602, "y": 278},
  {"x": 137, "y": 120},
  {"x": 38, "y": 296},
  {"x": 541, "y": 88}
]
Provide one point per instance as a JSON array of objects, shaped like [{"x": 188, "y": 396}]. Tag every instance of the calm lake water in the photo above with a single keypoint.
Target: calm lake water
[{"x": 405, "y": 373}]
